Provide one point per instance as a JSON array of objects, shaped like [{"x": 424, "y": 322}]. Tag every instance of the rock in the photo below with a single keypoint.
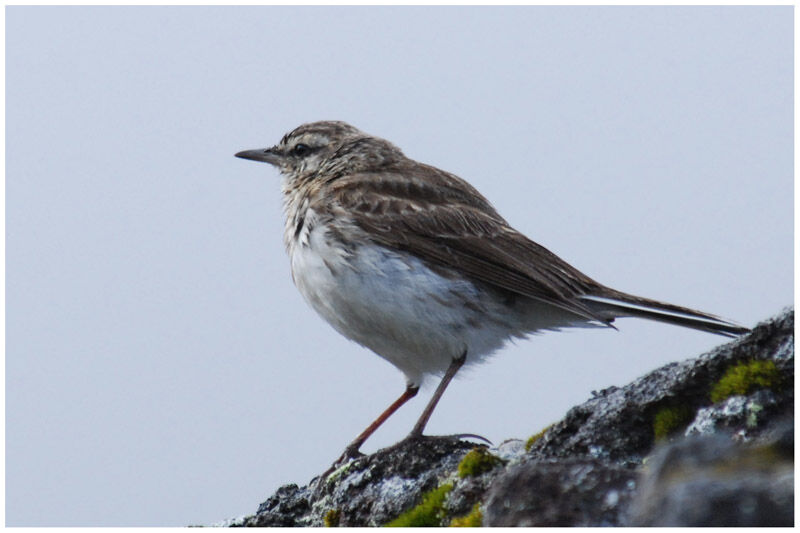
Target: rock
[
  {"x": 557, "y": 493},
  {"x": 711, "y": 481},
  {"x": 738, "y": 414},
  {"x": 618, "y": 423},
  {"x": 376, "y": 489},
  {"x": 369, "y": 491},
  {"x": 283, "y": 509},
  {"x": 703, "y": 442}
]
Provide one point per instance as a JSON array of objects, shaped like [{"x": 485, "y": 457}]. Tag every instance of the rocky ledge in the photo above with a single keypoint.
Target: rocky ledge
[{"x": 704, "y": 442}]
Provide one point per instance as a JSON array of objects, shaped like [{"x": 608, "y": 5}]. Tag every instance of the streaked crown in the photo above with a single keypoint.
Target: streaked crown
[{"x": 329, "y": 149}]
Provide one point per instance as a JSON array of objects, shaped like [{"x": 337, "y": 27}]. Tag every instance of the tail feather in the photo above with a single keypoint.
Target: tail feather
[{"x": 620, "y": 304}]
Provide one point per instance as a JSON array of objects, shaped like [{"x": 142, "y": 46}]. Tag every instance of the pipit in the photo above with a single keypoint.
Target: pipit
[{"x": 415, "y": 264}]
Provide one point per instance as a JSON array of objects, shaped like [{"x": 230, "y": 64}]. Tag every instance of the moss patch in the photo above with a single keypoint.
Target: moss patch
[
  {"x": 332, "y": 517},
  {"x": 473, "y": 519},
  {"x": 429, "y": 513},
  {"x": 743, "y": 378},
  {"x": 476, "y": 462},
  {"x": 670, "y": 418},
  {"x": 533, "y": 438}
]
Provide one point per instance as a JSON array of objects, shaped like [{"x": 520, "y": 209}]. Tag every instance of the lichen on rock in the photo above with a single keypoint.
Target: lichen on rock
[
  {"x": 429, "y": 513},
  {"x": 669, "y": 419},
  {"x": 745, "y": 377},
  {"x": 659, "y": 438},
  {"x": 478, "y": 461},
  {"x": 473, "y": 519}
]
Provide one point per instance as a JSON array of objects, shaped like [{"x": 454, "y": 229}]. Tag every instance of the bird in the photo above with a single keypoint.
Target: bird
[{"x": 413, "y": 263}]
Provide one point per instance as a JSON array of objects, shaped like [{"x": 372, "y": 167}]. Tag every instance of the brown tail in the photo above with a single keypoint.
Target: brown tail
[{"x": 619, "y": 304}]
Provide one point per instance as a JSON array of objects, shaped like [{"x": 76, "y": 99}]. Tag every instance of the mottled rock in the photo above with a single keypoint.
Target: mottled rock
[
  {"x": 710, "y": 480},
  {"x": 557, "y": 493},
  {"x": 285, "y": 508},
  {"x": 743, "y": 416},
  {"x": 377, "y": 488},
  {"x": 723, "y": 462},
  {"x": 369, "y": 491},
  {"x": 617, "y": 423}
]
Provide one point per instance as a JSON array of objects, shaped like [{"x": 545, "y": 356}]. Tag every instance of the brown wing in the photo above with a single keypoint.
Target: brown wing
[{"x": 444, "y": 221}]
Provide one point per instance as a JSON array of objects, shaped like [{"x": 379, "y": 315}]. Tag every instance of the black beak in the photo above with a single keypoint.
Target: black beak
[{"x": 265, "y": 155}]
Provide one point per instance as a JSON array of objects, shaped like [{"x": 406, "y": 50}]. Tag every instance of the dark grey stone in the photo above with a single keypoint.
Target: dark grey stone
[
  {"x": 712, "y": 481},
  {"x": 729, "y": 463},
  {"x": 566, "y": 492}
]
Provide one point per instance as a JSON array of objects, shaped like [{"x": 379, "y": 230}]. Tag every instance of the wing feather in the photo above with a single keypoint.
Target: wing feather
[{"x": 455, "y": 230}]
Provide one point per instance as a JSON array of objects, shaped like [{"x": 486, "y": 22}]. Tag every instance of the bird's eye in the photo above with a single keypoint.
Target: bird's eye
[{"x": 301, "y": 150}]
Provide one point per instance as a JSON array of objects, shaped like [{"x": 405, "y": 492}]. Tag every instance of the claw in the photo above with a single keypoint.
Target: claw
[
  {"x": 472, "y": 436},
  {"x": 349, "y": 454}
]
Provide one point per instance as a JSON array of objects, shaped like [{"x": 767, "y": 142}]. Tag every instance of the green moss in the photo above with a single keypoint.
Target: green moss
[
  {"x": 476, "y": 462},
  {"x": 332, "y": 518},
  {"x": 339, "y": 472},
  {"x": 473, "y": 519},
  {"x": 429, "y": 513},
  {"x": 533, "y": 438},
  {"x": 744, "y": 378},
  {"x": 670, "y": 418}
]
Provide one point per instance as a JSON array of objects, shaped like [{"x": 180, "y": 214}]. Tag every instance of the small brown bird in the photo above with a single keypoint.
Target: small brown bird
[{"x": 413, "y": 263}]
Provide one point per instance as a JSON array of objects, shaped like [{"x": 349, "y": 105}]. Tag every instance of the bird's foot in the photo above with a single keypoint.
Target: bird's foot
[
  {"x": 350, "y": 453},
  {"x": 471, "y": 436},
  {"x": 417, "y": 438}
]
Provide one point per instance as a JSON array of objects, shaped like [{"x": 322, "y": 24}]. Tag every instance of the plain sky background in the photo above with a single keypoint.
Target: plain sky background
[{"x": 161, "y": 368}]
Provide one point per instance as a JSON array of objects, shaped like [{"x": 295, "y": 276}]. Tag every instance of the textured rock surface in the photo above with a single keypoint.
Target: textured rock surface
[
  {"x": 712, "y": 481},
  {"x": 369, "y": 491},
  {"x": 573, "y": 491},
  {"x": 655, "y": 452}
]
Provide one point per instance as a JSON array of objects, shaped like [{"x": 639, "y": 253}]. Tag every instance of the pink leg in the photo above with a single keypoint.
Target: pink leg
[
  {"x": 426, "y": 414},
  {"x": 352, "y": 449}
]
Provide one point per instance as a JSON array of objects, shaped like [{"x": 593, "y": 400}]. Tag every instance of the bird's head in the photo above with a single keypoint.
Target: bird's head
[{"x": 324, "y": 151}]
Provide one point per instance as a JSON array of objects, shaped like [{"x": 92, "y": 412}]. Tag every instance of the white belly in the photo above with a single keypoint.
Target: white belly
[{"x": 405, "y": 312}]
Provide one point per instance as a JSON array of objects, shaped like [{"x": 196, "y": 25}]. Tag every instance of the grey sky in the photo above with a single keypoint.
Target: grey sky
[{"x": 161, "y": 369}]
